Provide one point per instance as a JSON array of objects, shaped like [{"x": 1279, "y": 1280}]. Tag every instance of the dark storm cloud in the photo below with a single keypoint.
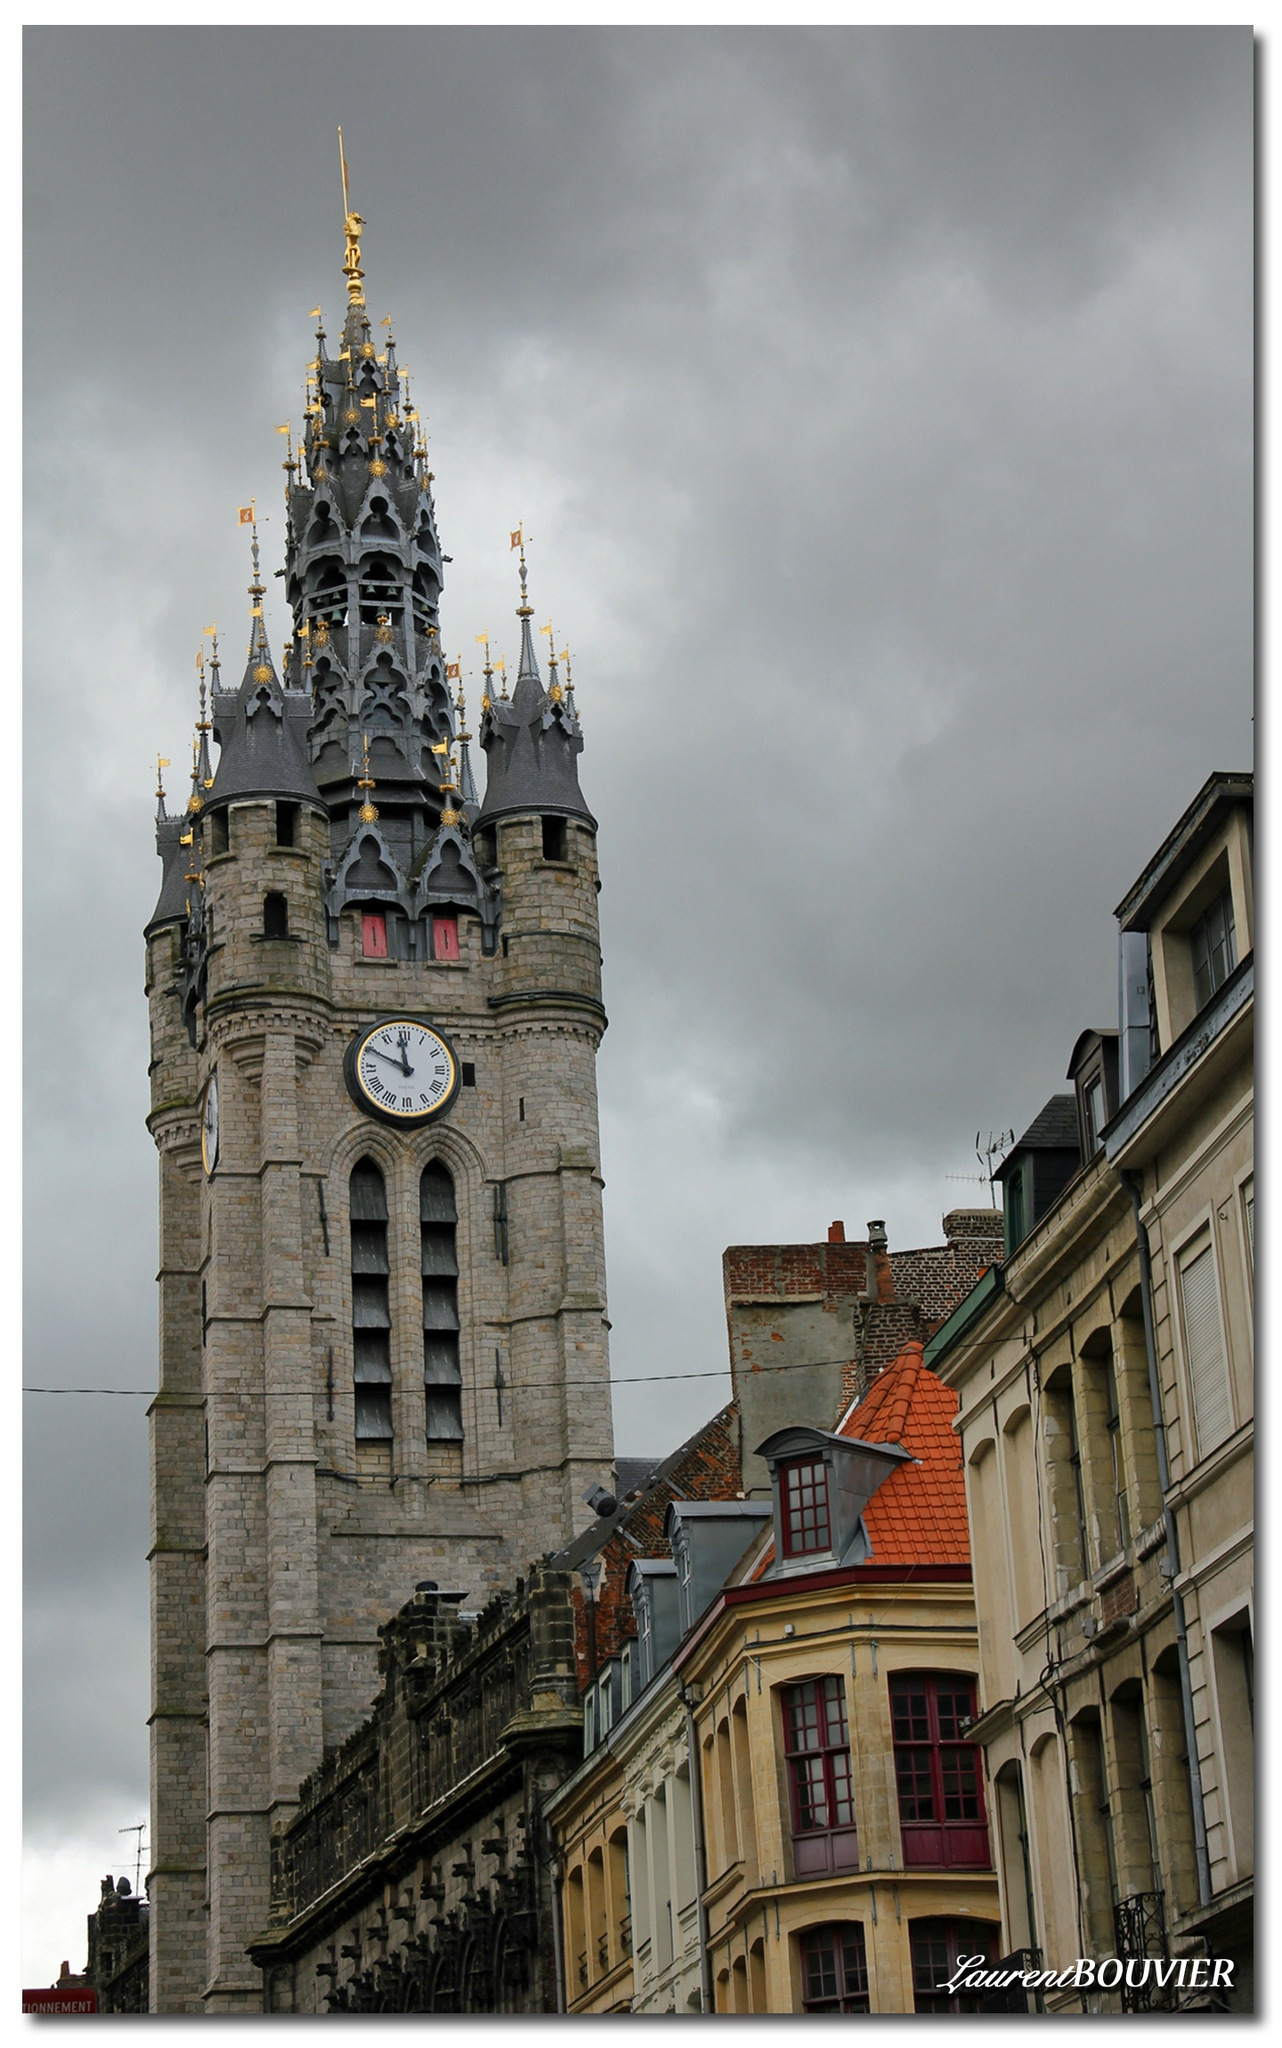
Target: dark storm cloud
[{"x": 879, "y": 406}]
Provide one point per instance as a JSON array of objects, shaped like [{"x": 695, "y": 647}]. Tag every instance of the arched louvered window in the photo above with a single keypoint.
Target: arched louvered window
[
  {"x": 371, "y": 1319},
  {"x": 441, "y": 1376}
]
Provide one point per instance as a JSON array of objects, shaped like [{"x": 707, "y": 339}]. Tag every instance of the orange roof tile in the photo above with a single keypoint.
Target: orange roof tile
[{"x": 918, "y": 1515}]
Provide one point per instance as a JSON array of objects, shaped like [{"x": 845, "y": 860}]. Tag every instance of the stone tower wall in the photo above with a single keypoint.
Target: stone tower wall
[{"x": 283, "y": 1559}]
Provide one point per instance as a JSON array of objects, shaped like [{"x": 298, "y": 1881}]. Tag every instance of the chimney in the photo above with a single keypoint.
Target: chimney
[
  {"x": 836, "y": 1233},
  {"x": 880, "y": 1284}
]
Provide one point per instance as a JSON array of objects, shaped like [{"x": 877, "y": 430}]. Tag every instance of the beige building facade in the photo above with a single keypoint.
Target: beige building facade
[
  {"x": 1106, "y": 1424},
  {"x": 789, "y": 1813}
]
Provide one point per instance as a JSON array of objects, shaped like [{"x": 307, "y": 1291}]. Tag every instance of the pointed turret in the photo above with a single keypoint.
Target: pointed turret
[
  {"x": 262, "y": 729},
  {"x": 531, "y": 743},
  {"x": 171, "y": 904}
]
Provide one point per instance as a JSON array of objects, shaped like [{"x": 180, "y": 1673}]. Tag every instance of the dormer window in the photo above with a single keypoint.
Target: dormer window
[
  {"x": 821, "y": 1484},
  {"x": 1214, "y": 945},
  {"x": 804, "y": 1499}
]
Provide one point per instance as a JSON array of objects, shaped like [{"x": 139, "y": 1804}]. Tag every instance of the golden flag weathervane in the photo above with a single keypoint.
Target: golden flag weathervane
[{"x": 352, "y": 224}]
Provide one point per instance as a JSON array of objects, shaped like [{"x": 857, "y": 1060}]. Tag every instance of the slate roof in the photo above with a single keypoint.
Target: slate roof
[
  {"x": 1053, "y": 1129},
  {"x": 263, "y": 747}
]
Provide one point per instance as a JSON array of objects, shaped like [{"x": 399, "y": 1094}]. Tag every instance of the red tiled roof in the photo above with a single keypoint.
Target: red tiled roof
[{"x": 918, "y": 1515}]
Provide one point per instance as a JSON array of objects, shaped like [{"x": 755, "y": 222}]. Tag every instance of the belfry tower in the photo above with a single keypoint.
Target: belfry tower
[{"x": 375, "y": 1010}]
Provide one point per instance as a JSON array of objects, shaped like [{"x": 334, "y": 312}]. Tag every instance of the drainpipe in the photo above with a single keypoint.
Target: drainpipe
[
  {"x": 1135, "y": 1190},
  {"x": 700, "y": 1851},
  {"x": 558, "y": 1943}
]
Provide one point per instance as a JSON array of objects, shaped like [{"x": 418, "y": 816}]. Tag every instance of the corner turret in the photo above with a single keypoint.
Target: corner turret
[{"x": 531, "y": 741}]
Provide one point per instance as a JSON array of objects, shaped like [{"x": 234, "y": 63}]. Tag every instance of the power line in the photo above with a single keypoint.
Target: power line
[{"x": 641, "y": 1379}]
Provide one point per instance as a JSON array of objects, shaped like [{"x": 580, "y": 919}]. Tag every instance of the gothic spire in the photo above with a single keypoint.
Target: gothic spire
[
  {"x": 531, "y": 743},
  {"x": 364, "y": 571},
  {"x": 262, "y": 730}
]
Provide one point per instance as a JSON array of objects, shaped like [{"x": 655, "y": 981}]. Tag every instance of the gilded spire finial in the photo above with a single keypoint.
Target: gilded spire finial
[
  {"x": 195, "y": 801},
  {"x": 487, "y": 670},
  {"x": 570, "y": 705},
  {"x": 257, "y": 632},
  {"x": 367, "y": 813},
  {"x": 352, "y": 224},
  {"x": 517, "y": 540},
  {"x": 204, "y": 772},
  {"x": 449, "y": 786},
  {"x": 211, "y": 633},
  {"x": 162, "y": 761},
  {"x": 555, "y": 692}
]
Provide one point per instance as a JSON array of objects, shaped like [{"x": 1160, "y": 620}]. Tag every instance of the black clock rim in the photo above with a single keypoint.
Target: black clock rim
[
  {"x": 375, "y": 1110},
  {"x": 210, "y": 1089}
]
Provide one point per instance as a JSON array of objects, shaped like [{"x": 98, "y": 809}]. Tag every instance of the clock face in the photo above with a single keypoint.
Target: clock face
[
  {"x": 401, "y": 1071},
  {"x": 209, "y": 1124}
]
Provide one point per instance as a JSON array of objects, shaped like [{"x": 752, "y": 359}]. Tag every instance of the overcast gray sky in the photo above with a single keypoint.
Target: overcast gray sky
[{"x": 878, "y": 403}]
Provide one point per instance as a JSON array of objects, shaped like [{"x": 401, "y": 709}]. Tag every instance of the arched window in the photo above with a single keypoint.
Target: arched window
[
  {"x": 275, "y": 915},
  {"x": 371, "y": 1319},
  {"x": 442, "y": 1378},
  {"x": 937, "y": 1947},
  {"x": 834, "y": 1968}
]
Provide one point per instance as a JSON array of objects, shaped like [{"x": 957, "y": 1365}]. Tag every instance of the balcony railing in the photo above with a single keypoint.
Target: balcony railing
[{"x": 1139, "y": 1930}]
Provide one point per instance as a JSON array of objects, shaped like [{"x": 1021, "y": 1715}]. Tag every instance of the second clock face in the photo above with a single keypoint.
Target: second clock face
[
  {"x": 209, "y": 1124},
  {"x": 402, "y": 1071}
]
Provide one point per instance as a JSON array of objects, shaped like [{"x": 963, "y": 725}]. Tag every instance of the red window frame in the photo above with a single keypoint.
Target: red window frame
[
  {"x": 445, "y": 938},
  {"x": 940, "y": 1782},
  {"x": 374, "y": 934},
  {"x": 834, "y": 1968},
  {"x": 804, "y": 1507},
  {"x": 816, "y": 1742},
  {"x": 937, "y": 1947}
]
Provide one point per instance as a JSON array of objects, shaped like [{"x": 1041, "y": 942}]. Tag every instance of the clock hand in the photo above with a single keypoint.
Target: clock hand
[
  {"x": 402, "y": 1039},
  {"x": 401, "y": 1063}
]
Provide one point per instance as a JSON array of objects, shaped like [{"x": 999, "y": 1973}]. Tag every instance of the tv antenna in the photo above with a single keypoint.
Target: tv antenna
[
  {"x": 138, "y": 1828},
  {"x": 989, "y": 1152}
]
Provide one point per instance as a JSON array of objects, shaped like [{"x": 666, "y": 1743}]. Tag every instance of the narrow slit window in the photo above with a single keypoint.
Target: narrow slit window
[
  {"x": 286, "y": 824},
  {"x": 275, "y": 915},
  {"x": 554, "y": 839},
  {"x": 371, "y": 1316},
  {"x": 442, "y": 1377},
  {"x": 445, "y": 938},
  {"x": 374, "y": 934}
]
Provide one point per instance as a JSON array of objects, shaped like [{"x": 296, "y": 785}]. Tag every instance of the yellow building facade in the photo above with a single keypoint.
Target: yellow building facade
[{"x": 790, "y": 1813}]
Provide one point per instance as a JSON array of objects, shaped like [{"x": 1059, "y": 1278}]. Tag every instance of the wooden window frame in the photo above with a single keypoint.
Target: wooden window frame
[
  {"x": 792, "y": 1512},
  {"x": 843, "y": 1942},
  {"x": 820, "y": 1770},
  {"x": 958, "y": 1937},
  {"x": 938, "y": 1767}
]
